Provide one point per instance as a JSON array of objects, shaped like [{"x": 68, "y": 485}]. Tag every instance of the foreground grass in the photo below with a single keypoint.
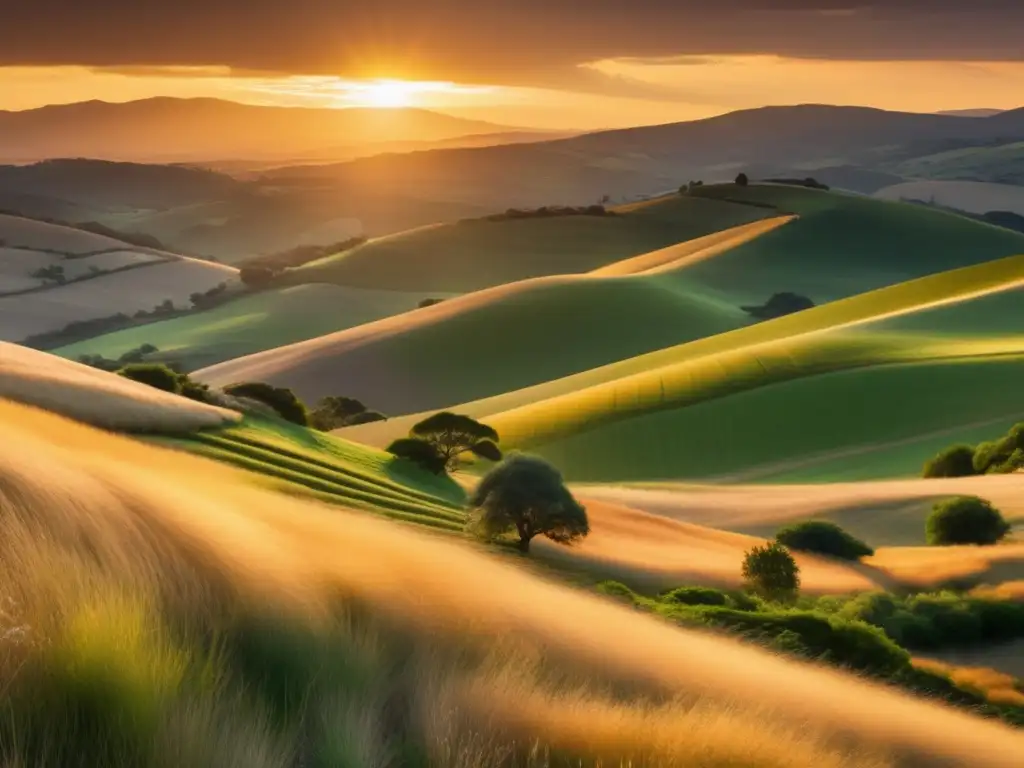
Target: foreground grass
[{"x": 161, "y": 611}]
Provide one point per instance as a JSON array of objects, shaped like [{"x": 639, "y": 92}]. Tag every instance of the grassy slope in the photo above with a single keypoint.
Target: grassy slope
[
  {"x": 1001, "y": 163},
  {"x": 308, "y": 463},
  {"x": 470, "y": 255},
  {"x": 771, "y": 399},
  {"x": 126, "y": 560},
  {"x": 251, "y": 324},
  {"x": 531, "y": 332}
]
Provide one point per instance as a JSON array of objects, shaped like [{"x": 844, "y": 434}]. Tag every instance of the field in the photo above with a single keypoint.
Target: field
[
  {"x": 971, "y": 196},
  {"x": 475, "y": 254},
  {"x": 250, "y": 324},
  {"x": 103, "y": 277},
  {"x": 99, "y": 398},
  {"x": 896, "y": 370},
  {"x": 325, "y": 619},
  {"x": 526, "y": 333}
]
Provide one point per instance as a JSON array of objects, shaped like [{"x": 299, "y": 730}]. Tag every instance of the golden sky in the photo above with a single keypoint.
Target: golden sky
[{"x": 665, "y": 90}]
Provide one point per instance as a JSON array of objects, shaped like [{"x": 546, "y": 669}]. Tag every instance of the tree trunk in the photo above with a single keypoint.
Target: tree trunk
[{"x": 525, "y": 534}]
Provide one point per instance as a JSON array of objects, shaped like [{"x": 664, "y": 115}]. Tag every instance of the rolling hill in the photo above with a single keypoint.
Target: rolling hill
[
  {"x": 865, "y": 387},
  {"x": 128, "y": 557},
  {"x": 52, "y": 276},
  {"x": 521, "y": 334},
  {"x": 99, "y": 398},
  {"x": 971, "y": 196},
  {"x": 480, "y": 253},
  {"x": 250, "y": 324}
]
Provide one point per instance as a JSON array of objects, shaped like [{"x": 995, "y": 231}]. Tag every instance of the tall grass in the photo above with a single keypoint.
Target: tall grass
[{"x": 161, "y": 611}]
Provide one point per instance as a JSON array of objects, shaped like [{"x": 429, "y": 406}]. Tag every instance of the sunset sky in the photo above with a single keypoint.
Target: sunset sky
[{"x": 551, "y": 63}]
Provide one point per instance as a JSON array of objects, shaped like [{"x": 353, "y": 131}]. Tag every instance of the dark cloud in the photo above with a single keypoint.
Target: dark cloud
[{"x": 501, "y": 41}]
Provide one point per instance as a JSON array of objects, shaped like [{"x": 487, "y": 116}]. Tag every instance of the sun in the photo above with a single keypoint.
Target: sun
[{"x": 388, "y": 94}]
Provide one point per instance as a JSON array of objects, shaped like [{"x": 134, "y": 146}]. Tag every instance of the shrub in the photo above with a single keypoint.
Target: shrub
[
  {"x": 965, "y": 520},
  {"x": 823, "y": 538},
  {"x": 429, "y": 303},
  {"x": 771, "y": 571},
  {"x": 696, "y": 596},
  {"x": 526, "y": 494},
  {"x": 742, "y": 180},
  {"x": 337, "y": 412},
  {"x": 257, "y": 277},
  {"x": 454, "y": 434},
  {"x": 957, "y": 461},
  {"x": 156, "y": 375},
  {"x": 421, "y": 453},
  {"x": 281, "y": 399},
  {"x": 194, "y": 390}
]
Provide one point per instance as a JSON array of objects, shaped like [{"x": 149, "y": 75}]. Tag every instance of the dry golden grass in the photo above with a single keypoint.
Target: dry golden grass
[
  {"x": 102, "y": 536},
  {"x": 654, "y": 552},
  {"x": 97, "y": 397},
  {"x": 998, "y": 687}
]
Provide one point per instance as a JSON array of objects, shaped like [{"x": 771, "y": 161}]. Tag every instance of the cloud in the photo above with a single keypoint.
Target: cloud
[{"x": 529, "y": 42}]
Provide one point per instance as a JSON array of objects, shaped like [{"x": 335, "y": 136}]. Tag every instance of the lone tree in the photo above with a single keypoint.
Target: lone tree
[
  {"x": 742, "y": 180},
  {"x": 454, "y": 434},
  {"x": 421, "y": 453},
  {"x": 965, "y": 520},
  {"x": 526, "y": 494},
  {"x": 771, "y": 571}
]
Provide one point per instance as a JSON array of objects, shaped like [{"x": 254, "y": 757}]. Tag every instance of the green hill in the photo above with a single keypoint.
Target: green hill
[
  {"x": 478, "y": 253},
  {"x": 519, "y": 335},
  {"x": 896, "y": 372},
  {"x": 250, "y": 324}
]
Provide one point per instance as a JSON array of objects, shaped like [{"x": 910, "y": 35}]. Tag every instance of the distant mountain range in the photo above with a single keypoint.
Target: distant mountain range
[
  {"x": 176, "y": 130},
  {"x": 274, "y": 208}
]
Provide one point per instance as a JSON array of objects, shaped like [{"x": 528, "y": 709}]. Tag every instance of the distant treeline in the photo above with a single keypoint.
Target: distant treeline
[
  {"x": 1005, "y": 219},
  {"x": 262, "y": 271},
  {"x": 548, "y": 212}
]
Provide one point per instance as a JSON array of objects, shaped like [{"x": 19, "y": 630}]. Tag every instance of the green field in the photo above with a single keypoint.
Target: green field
[
  {"x": 527, "y": 333},
  {"x": 475, "y": 254},
  {"x": 250, "y": 324},
  {"x": 890, "y": 366},
  {"x": 842, "y": 245},
  {"x": 304, "y": 462}
]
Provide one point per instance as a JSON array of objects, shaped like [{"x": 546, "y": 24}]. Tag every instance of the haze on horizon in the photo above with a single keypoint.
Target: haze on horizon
[{"x": 574, "y": 64}]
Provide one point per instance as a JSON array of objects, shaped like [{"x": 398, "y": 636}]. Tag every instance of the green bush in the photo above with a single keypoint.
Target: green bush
[
  {"x": 696, "y": 596},
  {"x": 957, "y": 461},
  {"x": 771, "y": 571},
  {"x": 823, "y": 538},
  {"x": 281, "y": 399},
  {"x": 965, "y": 520},
  {"x": 156, "y": 375}
]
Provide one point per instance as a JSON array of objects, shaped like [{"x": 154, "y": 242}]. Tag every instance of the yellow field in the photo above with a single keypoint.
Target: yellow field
[{"x": 125, "y": 534}]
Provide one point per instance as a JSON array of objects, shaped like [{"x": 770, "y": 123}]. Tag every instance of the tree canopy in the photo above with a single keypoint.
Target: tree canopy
[
  {"x": 421, "y": 453},
  {"x": 454, "y": 434},
  {"x": 527, "y": 495},
  {"x": 281, "y": 399},
  {"x": 770, "y": 570}
]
